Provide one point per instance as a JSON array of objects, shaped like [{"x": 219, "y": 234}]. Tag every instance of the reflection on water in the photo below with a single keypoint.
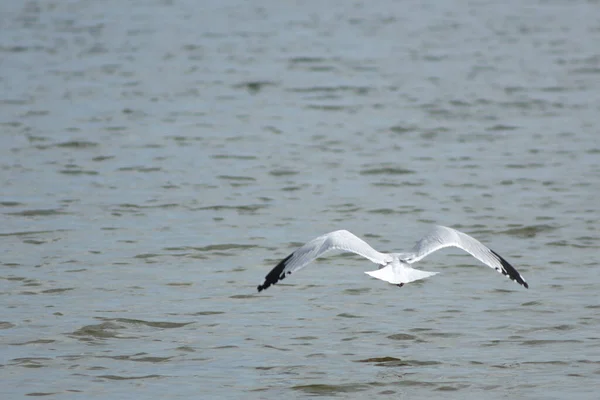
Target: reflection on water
[{"x": 157, "y": 161}]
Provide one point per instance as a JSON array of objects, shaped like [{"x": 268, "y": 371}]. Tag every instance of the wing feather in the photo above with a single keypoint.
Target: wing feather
[
  {"x": 441, "y": 237},
  {"x": 337, "y": 240}
]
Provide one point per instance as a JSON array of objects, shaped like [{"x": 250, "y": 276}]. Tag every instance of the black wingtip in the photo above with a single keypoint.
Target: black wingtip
[
  {"x": 510, "y": 271},
  {"x": 275, "y": 275}
]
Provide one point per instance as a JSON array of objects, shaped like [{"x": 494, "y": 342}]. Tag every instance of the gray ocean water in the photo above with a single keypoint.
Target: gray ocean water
[{"x": 157, "y": 159}]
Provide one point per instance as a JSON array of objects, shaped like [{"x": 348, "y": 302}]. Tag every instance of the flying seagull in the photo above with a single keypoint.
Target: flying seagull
[{"x": 394, "y": 268}]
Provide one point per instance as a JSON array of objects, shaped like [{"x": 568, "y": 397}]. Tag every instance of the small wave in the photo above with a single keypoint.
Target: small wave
[
  {"x": 123, "y": 378},
  {"x": 322, "y": 389},
  {"x": 402, "y": 336},
  {"x": 38, "y": 213},
  {"x": 386, "y": 171},
  {"x": 528, "y": 231}
]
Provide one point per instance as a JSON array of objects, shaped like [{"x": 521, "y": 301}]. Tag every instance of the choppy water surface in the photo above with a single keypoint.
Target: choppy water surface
[{"x": 158, "y": 158}]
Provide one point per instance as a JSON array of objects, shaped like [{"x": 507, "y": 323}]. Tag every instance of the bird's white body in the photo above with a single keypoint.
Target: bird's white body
[
  {"x": 393, "y": 267},
  {"x": 399, "y": 272}
]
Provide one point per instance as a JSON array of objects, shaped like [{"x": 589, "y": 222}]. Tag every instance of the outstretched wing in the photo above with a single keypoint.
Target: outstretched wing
[
  {"x": 338, "y": 240},
  {"x": 442, "y": 236}
]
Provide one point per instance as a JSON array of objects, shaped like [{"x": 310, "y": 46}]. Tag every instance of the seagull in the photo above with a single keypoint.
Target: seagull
[{"x": 394, "y": 268}]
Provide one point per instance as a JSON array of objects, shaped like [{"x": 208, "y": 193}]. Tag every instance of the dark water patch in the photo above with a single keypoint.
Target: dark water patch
[
  {"x": 115, "y": 128},
  {"x": 505, "y": 365},
  {"x": 420, "y": 329},
  {"x": 250, "y": 208},
  {"x": 40, "y": 394},
  {"x": 500, "y": 310},
  {"x": 501, "y": 127},
  {"x": 332, "y": 90},
  {"x": 399, "y": 129},
  {"x": 266, "y": 368},
  {"x": 410, "y": 382},
  {"x": 57, "y": 290},
  {"x": 200, "y": 313},
  {"x": 283, "y": 172},
  {"x": 402, "y": 336},
  {"x": 355, "y": 292},
  {"x": 153, "y": 324},
  {"x": 386, "y": 170},
  {"x": 124, "y": 378},
  {"x": 389, "y": 184},
  {"x": 102, "y": 158},
  {"x": 497, "y": 290},
  {"x": 34, "y": 242},
  {"x": 6, "y": 325},
  {"x": 557, "y": 362},
  {"x": 77, "y": 172},
  {"x": 254, "y": 87},
  {"x": 180, "y": 284},
  {"x": 532, "y": 303},
  {"x": 397, "y": 362},
  {"x": 38, "y": 213},
  {"x": 452, "y": 388},
  {"x": 348, "y": 315},
  {"x": 248, "y": 296},
  {"x": 442, "y": 334},
  {"x": 16, "y": 278},
  {"x": 77, "y": 144},
  {"x": 341, "y": 208},
  {"x": 326, "y": 389},
  {"x": 185, "y": 138},
  {"x": 105, "y": 330},
  {"x": 382, "y": 211},
  {"x": 139, "y": 357},
  {"x": 291, "y": 188},
  {"x": 139, "y": 168},
  {"x": 464, "y": 186},
  {"x": 214, "y": 247},
  {"x": 39, "y": 341},
  {"x": 555, "y": 89},
  {"x": 528, "y": 231},
  {"x": 10, "y": 203},
  {"x": 150, "y": 359},
  {"x": 543, "y": 342},
  {"x": 237, "y": 178},
  {"x": 30, "y": 362},
  {"x": 329, "y": 107},
  {"x": 585, "y": 70},
  {"x": 137, "y": 206},
  {"x": 233, "y": 157},
  {"x": 588, "y": 362},
  {"x": 306, "y": 60},
  {"x": 268, "y": 346},
  {"x": 525, "y": 166},
  {"x": 305, "y": 338},
  {"x": 563, "y": 327},
  {"x": 146, "y": 255},
  {"x": 565, "y": 243}
]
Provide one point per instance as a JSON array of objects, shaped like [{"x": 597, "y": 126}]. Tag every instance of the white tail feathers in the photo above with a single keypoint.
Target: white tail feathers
[{"x": 399, "y": 274}]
